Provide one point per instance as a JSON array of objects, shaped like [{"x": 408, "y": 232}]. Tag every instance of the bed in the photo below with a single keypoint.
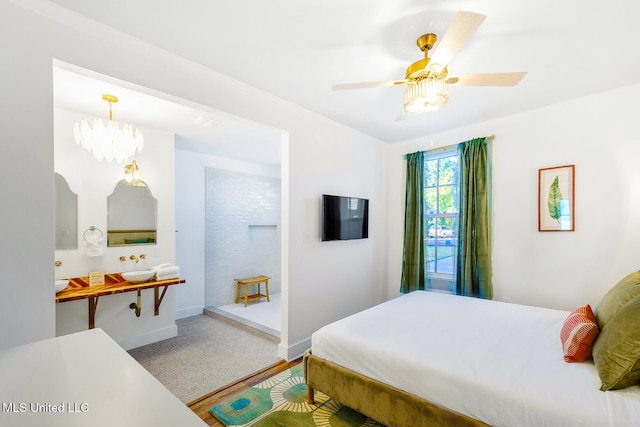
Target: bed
[{"x": 433, "y": 359}]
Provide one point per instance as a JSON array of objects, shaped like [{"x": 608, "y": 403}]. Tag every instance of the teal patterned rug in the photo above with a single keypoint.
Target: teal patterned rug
[{"x": 282, "y": 401}]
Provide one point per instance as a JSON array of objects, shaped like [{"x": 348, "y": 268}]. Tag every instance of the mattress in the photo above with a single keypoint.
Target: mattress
[{"x": 496, "y": 362}]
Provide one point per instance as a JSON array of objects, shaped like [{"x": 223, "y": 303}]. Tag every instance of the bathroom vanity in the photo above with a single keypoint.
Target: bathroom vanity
[{"x": 79, "y": 289}]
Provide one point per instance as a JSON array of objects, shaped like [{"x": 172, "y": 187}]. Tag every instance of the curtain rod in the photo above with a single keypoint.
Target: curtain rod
[{"x": 448, "y": 147}]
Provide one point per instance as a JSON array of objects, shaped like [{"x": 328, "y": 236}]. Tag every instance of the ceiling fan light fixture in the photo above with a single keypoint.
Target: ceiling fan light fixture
[{"x": 425, "y": 95}]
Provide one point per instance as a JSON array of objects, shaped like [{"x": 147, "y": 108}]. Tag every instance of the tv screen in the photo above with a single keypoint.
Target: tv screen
[{"x": 344, "y": 218}]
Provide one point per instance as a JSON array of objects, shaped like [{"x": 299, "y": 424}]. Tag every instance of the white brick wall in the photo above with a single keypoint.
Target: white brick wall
[{"x": 242, "y": 226}]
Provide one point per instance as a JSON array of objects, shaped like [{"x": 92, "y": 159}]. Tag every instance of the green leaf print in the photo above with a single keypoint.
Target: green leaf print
[{"x": 554, "y": 200}]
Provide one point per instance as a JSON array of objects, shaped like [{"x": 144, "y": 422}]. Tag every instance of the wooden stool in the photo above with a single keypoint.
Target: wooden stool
[{"x": 252, "y": 281}]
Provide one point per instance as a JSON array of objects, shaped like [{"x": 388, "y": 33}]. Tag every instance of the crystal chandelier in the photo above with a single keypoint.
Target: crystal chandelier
[
  {"x": 108, "y": 142},
  {"x": 427, "y": 94}
]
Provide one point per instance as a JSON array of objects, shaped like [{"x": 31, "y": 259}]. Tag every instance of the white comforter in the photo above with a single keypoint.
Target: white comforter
[{"x": 496, "y": 362}]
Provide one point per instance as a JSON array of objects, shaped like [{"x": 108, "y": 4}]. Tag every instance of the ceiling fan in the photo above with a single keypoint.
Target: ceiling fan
[{"x": 427, "y": 80}]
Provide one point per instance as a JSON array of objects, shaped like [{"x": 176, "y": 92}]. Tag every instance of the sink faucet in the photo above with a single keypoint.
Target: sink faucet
[{"x": 134, "y": 257}]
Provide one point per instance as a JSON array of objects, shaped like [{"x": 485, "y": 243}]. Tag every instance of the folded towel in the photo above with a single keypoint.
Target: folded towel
[
  {"x": 95, "y": 251},
  {"x": 168, "y": 276},
  {"x": 156, "y": 267},
  {"x": 166, "y": 271},
  {"x": 95, "y": 248}
]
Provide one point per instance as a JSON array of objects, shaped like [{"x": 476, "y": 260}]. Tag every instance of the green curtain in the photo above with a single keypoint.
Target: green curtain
[
  {"x": 413, "y": 257},
  {"x": 473, "y": 270}
]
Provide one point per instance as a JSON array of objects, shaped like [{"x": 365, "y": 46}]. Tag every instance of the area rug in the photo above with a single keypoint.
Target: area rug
[{"x": 282, "y": 401}]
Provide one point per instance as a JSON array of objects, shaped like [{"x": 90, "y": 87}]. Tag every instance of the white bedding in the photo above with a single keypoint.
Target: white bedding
[{"x": 496, "y": 362}]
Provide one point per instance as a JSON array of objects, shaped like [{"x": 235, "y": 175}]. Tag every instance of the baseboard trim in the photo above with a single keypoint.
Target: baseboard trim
[
  {"x": 294, "y": 351},
  {"x": 149, "y": 337},
  {"x": 189, "y": 311}
]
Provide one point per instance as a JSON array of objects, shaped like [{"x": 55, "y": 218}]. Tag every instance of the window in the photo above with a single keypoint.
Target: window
[{"x": 441, "y": 213}]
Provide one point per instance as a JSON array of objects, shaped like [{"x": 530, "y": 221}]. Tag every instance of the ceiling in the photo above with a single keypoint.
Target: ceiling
[
  {"x": 297, "y": 50},
  {"x": 197, "y": 127}
]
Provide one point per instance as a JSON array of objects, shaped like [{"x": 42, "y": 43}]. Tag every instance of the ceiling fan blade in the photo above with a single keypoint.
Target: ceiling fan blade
[
  {"x": 489, "y": 79},
  {"x": 463, "y": 26},
  {"x": 369, "y": 84}
]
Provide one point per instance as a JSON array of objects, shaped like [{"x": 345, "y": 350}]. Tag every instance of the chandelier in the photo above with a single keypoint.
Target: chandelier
[
  {"x": 108, "y": 142},
  {"x": 427, "y": 94}
]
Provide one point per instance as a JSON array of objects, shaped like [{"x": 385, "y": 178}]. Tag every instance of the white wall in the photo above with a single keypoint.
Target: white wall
[
  {"x": 600, "y": 134},
  {"x": 330, "y": 280},
  {"x": 94, "y": 181},
  {"x": 26, "y": 185}
]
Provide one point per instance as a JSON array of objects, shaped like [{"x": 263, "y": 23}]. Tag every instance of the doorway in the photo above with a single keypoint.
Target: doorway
[
  {"x": 203, "y": 138},
  {"x": 242, "y": 229}
]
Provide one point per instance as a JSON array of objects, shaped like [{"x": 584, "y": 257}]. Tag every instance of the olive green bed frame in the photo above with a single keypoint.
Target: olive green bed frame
[{"x": 379, "y": 401}]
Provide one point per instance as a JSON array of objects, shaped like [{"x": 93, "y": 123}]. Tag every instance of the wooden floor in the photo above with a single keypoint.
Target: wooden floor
[{"x": 201, "y": 405}]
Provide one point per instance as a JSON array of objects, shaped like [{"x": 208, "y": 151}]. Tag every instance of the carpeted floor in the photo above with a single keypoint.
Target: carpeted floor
[{"x": 207, "y": 354}]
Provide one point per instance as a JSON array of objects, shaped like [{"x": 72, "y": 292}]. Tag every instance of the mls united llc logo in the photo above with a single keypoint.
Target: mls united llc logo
[{"x": 35, "y": 407}]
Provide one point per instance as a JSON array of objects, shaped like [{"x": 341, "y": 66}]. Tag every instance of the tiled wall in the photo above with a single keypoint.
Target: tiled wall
[{"x": 242, "y": 229}]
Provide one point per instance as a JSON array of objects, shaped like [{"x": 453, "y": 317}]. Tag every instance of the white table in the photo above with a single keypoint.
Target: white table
[{"x": 83, "y": 379}]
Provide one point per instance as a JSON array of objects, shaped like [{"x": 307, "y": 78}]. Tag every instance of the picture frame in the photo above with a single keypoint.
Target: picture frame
[{"x": 556, "y": 198}]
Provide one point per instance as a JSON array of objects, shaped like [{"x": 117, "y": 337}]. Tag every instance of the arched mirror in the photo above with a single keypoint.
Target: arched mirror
[
  {"x": 131, "y": 215},
  {"x": 66, "y": 215}
]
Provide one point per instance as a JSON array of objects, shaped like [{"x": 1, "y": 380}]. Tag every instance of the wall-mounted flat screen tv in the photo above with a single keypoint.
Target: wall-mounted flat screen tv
[{"x": 344, "y": 218}]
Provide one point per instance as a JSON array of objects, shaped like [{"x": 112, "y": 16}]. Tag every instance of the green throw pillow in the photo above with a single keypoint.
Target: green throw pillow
[
  {"x": 616, "y": 298},
  {"x": 616, "y": 351}
]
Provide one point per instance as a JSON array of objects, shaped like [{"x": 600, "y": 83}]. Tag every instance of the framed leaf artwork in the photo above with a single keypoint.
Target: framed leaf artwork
[{"x": 556, "y": 201}]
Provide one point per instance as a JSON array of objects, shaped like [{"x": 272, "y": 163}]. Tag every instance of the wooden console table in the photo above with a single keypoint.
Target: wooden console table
[
  {"x": 252, "y": 281},
  {"x": 79, "y": 289}
]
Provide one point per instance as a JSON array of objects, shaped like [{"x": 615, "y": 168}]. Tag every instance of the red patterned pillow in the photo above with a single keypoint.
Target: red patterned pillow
[{"x": 578, "y": 334}]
